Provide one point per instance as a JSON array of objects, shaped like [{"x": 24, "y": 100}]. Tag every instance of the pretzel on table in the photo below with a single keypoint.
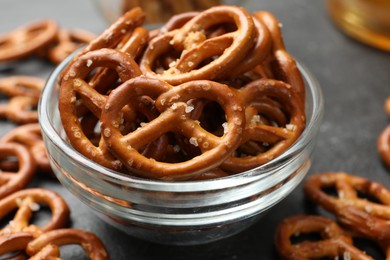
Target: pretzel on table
[
  {"x": 21, "y": 86},
  {"x": 46, "y": 245},
  {"x": 334, "y": 242},
  {"x": 192, "y": 42},
  {"x": 11, "y": 181},
  {"x": 21, "y": 110},
  {"x": 25, "y": 40},
  {"x": 348, "y": 188},
  {"x": 26, "y": 202},
  {"x": 174, "y": 117},
  {"x": 66, "y": 42},
  {"x": 30, "y": 136},
  {"x": 17, "y": 243}
]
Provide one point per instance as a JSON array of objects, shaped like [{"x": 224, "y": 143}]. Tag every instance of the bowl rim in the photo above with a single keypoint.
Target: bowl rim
[{"x": 263, "y": 171}]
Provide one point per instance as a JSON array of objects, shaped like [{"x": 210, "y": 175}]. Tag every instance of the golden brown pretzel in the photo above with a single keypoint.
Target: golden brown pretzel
[
  {"x": 257, "y": 54},
  {"x": 334, "y": 242},
  {"x": 174, "y": 117},
  {"x": 21, "y": 86},
  {"x": 283, "y": 64},
  {"x": 14, "y": 181},
  {"x": 280, "y": 137},
  {"x": 193, "y": 46},
  {"x": 30, "y": 136},
  {"x": 26, "y": 202},
  {"x": 92, "y": 245},
  {"x": 21, "y": 110},
  {"x": 113, "y": 35},
  {"x": 73, "y": 87},
  {"x": 25, "y": 40},
  {"x": 349, "y": 189},
  {"x": 13, "y": 243}
]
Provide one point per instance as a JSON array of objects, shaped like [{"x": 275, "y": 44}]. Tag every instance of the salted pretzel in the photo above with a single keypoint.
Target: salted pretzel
[
  {"x": 174, "y": 117},
  {"x": 282, "y": 63},
  {"x": 30, "y": 136},
  {"x": 258, "y": 54},
  {"x": 194, "y": 47},
  {"x": 334, "y": 242},
  {"x": 74, "y": 87},
  {"x": 66, "y": 42},
  {"x": 278, "y": 137},
  {"x": 51, "y": 240},
  {"x": 132, "y": 44},
  {"x": 11, "y": 181},
  {"x": 349, "y": 189},
  {"x": 25, "y": 40},
  {"x": 26, "y": 202},
  {"x": 21, "y": 86}
]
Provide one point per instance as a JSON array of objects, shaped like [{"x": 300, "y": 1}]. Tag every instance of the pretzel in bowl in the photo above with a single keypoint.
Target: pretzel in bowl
[
  {"x": 258, "y": 96},
  {"x": 26, "y": 202},
  {"x": 27, "y": 39},
  {"x": 113, "y": 35},
  {"x": 74, "y": 88},
  {"x": 171, "y": 102},
  {"x": 282, "y": 64},
  {"x": 11, "y": 181},
  {"x": 334, "y": 242},
  {"x": 198, "y": 56}
]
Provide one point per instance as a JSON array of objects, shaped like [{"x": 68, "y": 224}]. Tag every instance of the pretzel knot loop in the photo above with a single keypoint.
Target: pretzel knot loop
[
  {"x": 11, "y": 181},
  {"x": 174, "y": 116},
  {"x": 200, "y": 56},
  {"x": 361, "y": 205},
  {"x": 46, "y": 245},
  {"x": 283, "y": 103},
  {"x": 26, "y": 202},
  {"x": 75, "y": 90}
]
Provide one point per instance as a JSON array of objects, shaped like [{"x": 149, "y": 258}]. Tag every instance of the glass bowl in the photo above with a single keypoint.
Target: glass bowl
[{"x": 180, "y": 213}]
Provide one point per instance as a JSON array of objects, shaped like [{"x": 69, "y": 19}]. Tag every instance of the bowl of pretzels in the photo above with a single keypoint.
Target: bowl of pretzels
[{"x": 186, "y": 134}]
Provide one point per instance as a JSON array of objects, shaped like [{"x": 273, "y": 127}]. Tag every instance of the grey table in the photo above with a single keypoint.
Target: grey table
[{"x": 355, "y": 82}]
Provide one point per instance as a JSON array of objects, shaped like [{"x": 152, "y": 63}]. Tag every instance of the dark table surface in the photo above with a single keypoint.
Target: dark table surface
[{"x": 355, "y": 80}]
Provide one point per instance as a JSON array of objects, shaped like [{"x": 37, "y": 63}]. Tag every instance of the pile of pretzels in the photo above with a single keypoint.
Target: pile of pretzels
[
  {"x": 361, "y": 208},
  {"x": 207, "y": 95}
]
